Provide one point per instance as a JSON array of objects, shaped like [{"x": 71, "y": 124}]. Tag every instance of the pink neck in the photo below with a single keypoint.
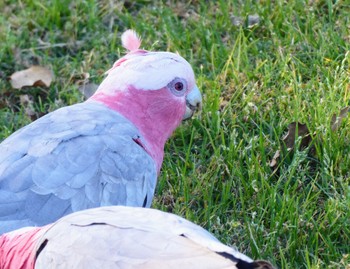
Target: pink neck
[
  {"x": 156, "y": 113},
  {"x": 17, "y": 249}
]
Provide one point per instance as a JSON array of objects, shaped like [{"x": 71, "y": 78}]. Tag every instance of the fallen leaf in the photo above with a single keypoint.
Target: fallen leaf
[
  {"x": 290, "y": 137},
  {"x": 274, "y": 158},
  {"x": 296, "y": 131},
  {"x": 336, "y": 120},
  {"x": 88, "y": 89},
  {"x": 33, "y": 76}
]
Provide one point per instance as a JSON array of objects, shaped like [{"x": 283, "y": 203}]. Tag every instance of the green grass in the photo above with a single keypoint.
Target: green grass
[{"x": 293, "y": 66}]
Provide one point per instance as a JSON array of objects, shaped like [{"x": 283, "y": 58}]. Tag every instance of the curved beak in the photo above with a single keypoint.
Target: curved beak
[{"x": 193, "y": 102}]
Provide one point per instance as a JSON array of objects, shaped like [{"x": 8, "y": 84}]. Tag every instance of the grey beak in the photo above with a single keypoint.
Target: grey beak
[{"x": 193, "y": 102}]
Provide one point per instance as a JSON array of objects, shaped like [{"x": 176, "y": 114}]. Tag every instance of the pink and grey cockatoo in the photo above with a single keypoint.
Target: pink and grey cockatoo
[
  {"x": 120, "y": 237},
  {"x": 105, "y": 151}
]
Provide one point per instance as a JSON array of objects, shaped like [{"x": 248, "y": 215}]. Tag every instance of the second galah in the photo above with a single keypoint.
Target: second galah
[
  {"x": 120, "y": 237},
  {"x": 105, "y": 151}
]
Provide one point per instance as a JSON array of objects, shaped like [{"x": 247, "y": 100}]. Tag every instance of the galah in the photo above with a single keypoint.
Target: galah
[
  {"x": 105, "y": 151},
  {"x": 120, "y": 237}
]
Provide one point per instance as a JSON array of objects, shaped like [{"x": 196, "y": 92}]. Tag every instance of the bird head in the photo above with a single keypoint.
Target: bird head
[{"x": 154, "y": 90}]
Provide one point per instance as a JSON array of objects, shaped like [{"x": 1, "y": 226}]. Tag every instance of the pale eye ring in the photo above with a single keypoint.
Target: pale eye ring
[{"x": 178, "y": 86}]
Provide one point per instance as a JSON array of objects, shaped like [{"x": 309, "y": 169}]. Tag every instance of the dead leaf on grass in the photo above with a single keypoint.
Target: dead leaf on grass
[
  {"x": 290, "y": 137},
  {"x": 295, "y": 130},
  {"x": 337, "y": 120},
  {"x": 275, "y": 157},
  {"x": 33, "y": 76}
]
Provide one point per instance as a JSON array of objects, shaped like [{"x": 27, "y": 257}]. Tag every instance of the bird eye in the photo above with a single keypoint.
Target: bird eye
[{"x": 178, "y": 86}]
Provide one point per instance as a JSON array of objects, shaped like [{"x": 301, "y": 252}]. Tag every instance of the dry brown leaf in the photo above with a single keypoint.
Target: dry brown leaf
[
  {"x": 88, "y": 89},
  {"x": 295, "y": 130},
  {"x": 274, "y": 158},
  {"x": 33, "y": 76},
  {"x": 303, "y": 132},
  {"x": 336, "y": 120}
]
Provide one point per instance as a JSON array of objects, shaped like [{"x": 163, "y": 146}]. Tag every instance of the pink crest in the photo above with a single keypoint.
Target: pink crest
[{"x": 130, "y": 40}]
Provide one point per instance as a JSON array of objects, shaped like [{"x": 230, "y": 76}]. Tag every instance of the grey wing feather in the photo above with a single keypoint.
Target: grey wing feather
[{"x": 74, "y": 158}]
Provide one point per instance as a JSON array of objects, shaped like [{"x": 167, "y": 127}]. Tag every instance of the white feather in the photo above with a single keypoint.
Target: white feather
[
  {"x": 129, "y": 237},
  {"x": 147, "y": 71}
]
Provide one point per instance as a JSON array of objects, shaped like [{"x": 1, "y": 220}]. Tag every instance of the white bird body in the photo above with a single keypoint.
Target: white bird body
[{"x": 129, "y": 238}]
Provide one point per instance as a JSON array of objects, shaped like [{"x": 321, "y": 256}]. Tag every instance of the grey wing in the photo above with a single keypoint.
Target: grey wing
[{"x": 75, "y": 158}]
